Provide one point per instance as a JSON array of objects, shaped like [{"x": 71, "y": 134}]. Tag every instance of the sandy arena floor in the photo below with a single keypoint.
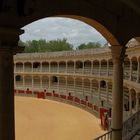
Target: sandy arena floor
[{"x": 38, "y": 119}]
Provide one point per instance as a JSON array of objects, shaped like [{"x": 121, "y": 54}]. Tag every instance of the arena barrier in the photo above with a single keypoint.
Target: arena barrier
[{"x": 69, "y": 99}]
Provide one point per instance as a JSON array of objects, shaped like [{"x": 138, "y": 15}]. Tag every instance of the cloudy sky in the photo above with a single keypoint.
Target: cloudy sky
[{"x": 75, "y": 31}]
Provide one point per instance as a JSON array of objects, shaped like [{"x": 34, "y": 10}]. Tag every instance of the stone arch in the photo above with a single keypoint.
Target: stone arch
[
  {"x": 126, "y": 68},
  {"x": 134, "y": 68},
  {"x": 126, "y": 98},
  {"x": 36, "y": 66},
  {"x": 70, "y": 66},
  {"x": 79, "y": 66},
  {"x": 45, "y": 66},
  {"x": 103, "y": 84},
  {"x": 87, "y": 66},
  {"x": 133, "y": 42},
  {"x": 95, "y": 67},
  {"x": 62, "y": 66},
  {"x": 27, "y": 66},
  {"x": 133, "y": 94},
  {"x": 103, "y": 67},
  {"x": 53, "y": 66},
  {"x": 93, "y": 22},
  {"x": 19, "y": 66},
  {"x": 110, "y": 63}
]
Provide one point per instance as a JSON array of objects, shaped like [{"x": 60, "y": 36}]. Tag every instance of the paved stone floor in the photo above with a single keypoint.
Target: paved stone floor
[{"x": 38, "y": 119}]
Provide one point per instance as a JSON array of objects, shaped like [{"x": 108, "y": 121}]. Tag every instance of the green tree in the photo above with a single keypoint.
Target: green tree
[
  {"x": 43, "y": 46},
  {"x": 59, "y": 45},
  {"x": 89, "y": 45}
]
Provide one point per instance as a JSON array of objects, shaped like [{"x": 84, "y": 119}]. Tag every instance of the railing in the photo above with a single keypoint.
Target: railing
[
  {"x": 32, "y": 56},
  {"x": 106, "y": 136},
  {"x": 130, "y": 128}
]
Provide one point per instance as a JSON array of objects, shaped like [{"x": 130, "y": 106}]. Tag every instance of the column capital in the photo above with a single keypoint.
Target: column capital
[
  {"x": 10, "y": 50},
  {"x": 9, "y": 36},
  {"x": 118, "y": 52}
]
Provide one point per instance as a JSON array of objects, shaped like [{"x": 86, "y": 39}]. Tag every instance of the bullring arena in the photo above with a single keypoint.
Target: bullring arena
[{"x": 79, "y": 81}]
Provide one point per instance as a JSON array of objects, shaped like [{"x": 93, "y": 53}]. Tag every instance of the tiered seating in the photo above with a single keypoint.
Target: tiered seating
[
  {"x": 70, "y": 85},
  {"x": 70, "y": 67},
  {"x": 110, "y": 91},
  {"x": 103, "y": 93},
  {"x": 54, "y": 86},
  {"x": 45, "y": 82},
  {"x": 87, "y": 67},
  {"x": 28, "y": 81},
  {"x": 62, "y": 67},
  {"x": 78, "y": 88},
  {"x": 54, "y": 67},
  {"x": 36, "y": 81},
  {"x": 19, "y": 67},
  {"x": 62, "y": 84},
  {"x": 126, "y": 67},
  {"x": 79, "y": 67},
  {"x": 27, "y": 67},
  {"x": 134, "y": 75},
  {"x": 87, "y": 90},
  {"x": 103, "y": 67},
  {"x": 45, "y": 67},
  {"x": 110, "y": 72},
  {"x": 126, "y": 73},
  {"x": 19, "y": 81}
]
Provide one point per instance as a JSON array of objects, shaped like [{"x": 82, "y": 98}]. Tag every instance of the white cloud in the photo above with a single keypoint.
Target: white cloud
[{"x": 75, "y": 31}]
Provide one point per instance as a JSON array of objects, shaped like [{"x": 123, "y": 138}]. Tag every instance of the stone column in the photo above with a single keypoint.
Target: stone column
[
  {"x": 74, "y": 67},
  {"x": 41, "y": 82},
  {"x": 58, "y": 67},
  {"x": 49, "y": 82},
  {"x": 91, "y": 67},
  {"x": 107, "y": 94},
  {"x": 7, "y": 121},
  {"x": 91, "y": 89},
  {"x": 23, "y": 81},
  {"x": 137, "y": 101},
  {"x": 83, "y": 63},
  {"x": 99, "y": 96},
  {"x": 49, "y": 67},
  {"x": 23, "y": 67},
  {"x": 83, "y": 87},
  {"x": 130, "y": 103},
  {"x": 107, "y": 71},
  {"x": 138, "y": 71},
  {"x": 58, "y": 84},
  {"x": 118, "y": 54},
  {"x": 130, "y": 78},
  {"x": 74, "y": 86},
  {"x": 15, "y": 82},
  {"x": 66, "y": 71},
  {"x": 32, "y": 82},
  {"x": 32, "y": 69},
  {"x": 41, "y": 67},
  {"x": 66, "y": 78},
  {"x": 99, "y": 68}
]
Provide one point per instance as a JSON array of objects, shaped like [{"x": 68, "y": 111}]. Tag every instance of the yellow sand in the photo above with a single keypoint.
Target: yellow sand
[{"x": 38, "y": 119}]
